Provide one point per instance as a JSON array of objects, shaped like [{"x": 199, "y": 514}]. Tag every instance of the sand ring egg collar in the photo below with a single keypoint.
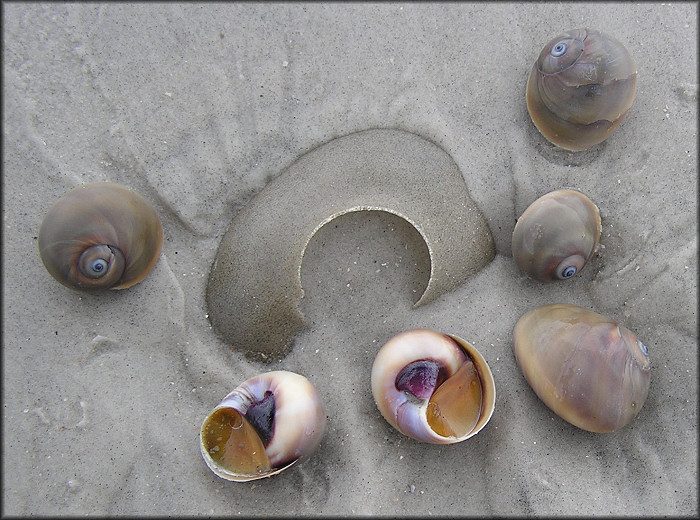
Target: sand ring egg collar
[{"x": 254, "y": 288}]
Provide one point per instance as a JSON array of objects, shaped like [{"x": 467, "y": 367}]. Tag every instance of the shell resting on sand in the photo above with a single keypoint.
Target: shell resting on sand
[
  {"x": 580, "y": 88},
  {"x": 433, "y": 387},
  {"x": 588, "y": 369},
  {"x": 100, "y": 236},
  {"x": 264, "y": 426},
  {"x": 556, "y": 235}
]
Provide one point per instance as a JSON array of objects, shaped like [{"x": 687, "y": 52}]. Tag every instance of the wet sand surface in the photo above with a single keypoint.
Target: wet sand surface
[{"x": 198, "y": 108}]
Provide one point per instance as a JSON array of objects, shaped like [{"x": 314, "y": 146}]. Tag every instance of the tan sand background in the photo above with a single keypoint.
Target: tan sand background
[{"x": 197, "y": 107}]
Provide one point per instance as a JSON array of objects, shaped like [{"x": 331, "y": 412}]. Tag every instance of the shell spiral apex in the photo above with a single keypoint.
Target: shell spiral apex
[
  {"x": 580, "y": 88},
  {"x": 100, "y": 236}
]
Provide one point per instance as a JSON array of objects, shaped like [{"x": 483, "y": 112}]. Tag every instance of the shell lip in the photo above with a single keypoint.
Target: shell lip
[
  {"x": 488, "y": 384},
  {"x": 225, "y": 474}
]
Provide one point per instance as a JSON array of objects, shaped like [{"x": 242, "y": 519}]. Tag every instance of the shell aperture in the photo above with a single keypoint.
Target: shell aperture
[
  {"x": 421, "y": 378},
  {"x": 433, "y": 387},
  {"x": 234, "y": 443},
  {"x": 265, "y": 425},
  {"x": 457, "y": 403},
  {"x": 261, "y": 416}
]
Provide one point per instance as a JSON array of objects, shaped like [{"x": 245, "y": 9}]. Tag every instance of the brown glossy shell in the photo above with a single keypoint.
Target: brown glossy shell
[
  {"x": 588, "y": 369},
  {"x": 556, "y": 235},
  {"x": 580, "y": 88},
  {"x": 100, "y": 236}
]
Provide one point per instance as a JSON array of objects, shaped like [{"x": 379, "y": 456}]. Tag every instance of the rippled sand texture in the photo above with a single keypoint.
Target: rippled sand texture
[{"x": 199, "y": 107}]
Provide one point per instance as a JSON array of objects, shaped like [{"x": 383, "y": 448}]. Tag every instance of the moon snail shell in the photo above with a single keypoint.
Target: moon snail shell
[
  {"x": 589, "y": 370},
  {"x": 264, "y": 426},
  {"x": 433, "y": 387},
  {"x": 556, "y": 235},
  {"x": 580, "y": 88},
  {"x": 100, "y": 236}
]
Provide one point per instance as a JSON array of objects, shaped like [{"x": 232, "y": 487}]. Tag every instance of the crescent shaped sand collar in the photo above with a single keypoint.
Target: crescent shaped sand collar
[{"x": 254, "y": 287}]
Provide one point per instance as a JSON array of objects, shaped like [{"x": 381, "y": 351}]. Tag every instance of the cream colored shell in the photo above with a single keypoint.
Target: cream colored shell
[
  {"x": 298, "y": 425},
  {"x": 408, "y": 413}
]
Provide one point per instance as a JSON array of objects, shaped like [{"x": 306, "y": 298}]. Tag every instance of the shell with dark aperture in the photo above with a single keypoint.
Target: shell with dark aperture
[
  {"x": 433, "y": 387},
  {"x": 265, "y": 425},
  {"x": 589, "y": 370},
  {"x": 100, "y": 236},
  {"x": 580, "y": 88},
  {"x": 556, "y": 235}
]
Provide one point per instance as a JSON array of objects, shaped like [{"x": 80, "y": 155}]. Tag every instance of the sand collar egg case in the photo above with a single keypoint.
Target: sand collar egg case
[{"x": 254, "y": 286}]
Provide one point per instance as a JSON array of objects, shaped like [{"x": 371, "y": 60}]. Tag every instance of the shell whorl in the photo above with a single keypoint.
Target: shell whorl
[{"x": 100, "y": 236}]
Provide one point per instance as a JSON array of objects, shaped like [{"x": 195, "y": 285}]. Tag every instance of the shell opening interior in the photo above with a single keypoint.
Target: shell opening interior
[
  {"x": 233, "y": 444},
  {"x": 455, "y": 407},
  {"x": 421, "y": 378},
  {"x": 261, "y": 415},
  {"x": 454, "y": 403}
]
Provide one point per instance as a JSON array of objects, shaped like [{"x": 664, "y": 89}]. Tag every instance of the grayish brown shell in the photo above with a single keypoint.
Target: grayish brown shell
[
  {"x": 556, "y": 235},
  {"x": 580, "y": 88},
  {"x": 588, "y": 369},
  {"x": 254, "y": 286},
  {"x": 100, "y": 236}
]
